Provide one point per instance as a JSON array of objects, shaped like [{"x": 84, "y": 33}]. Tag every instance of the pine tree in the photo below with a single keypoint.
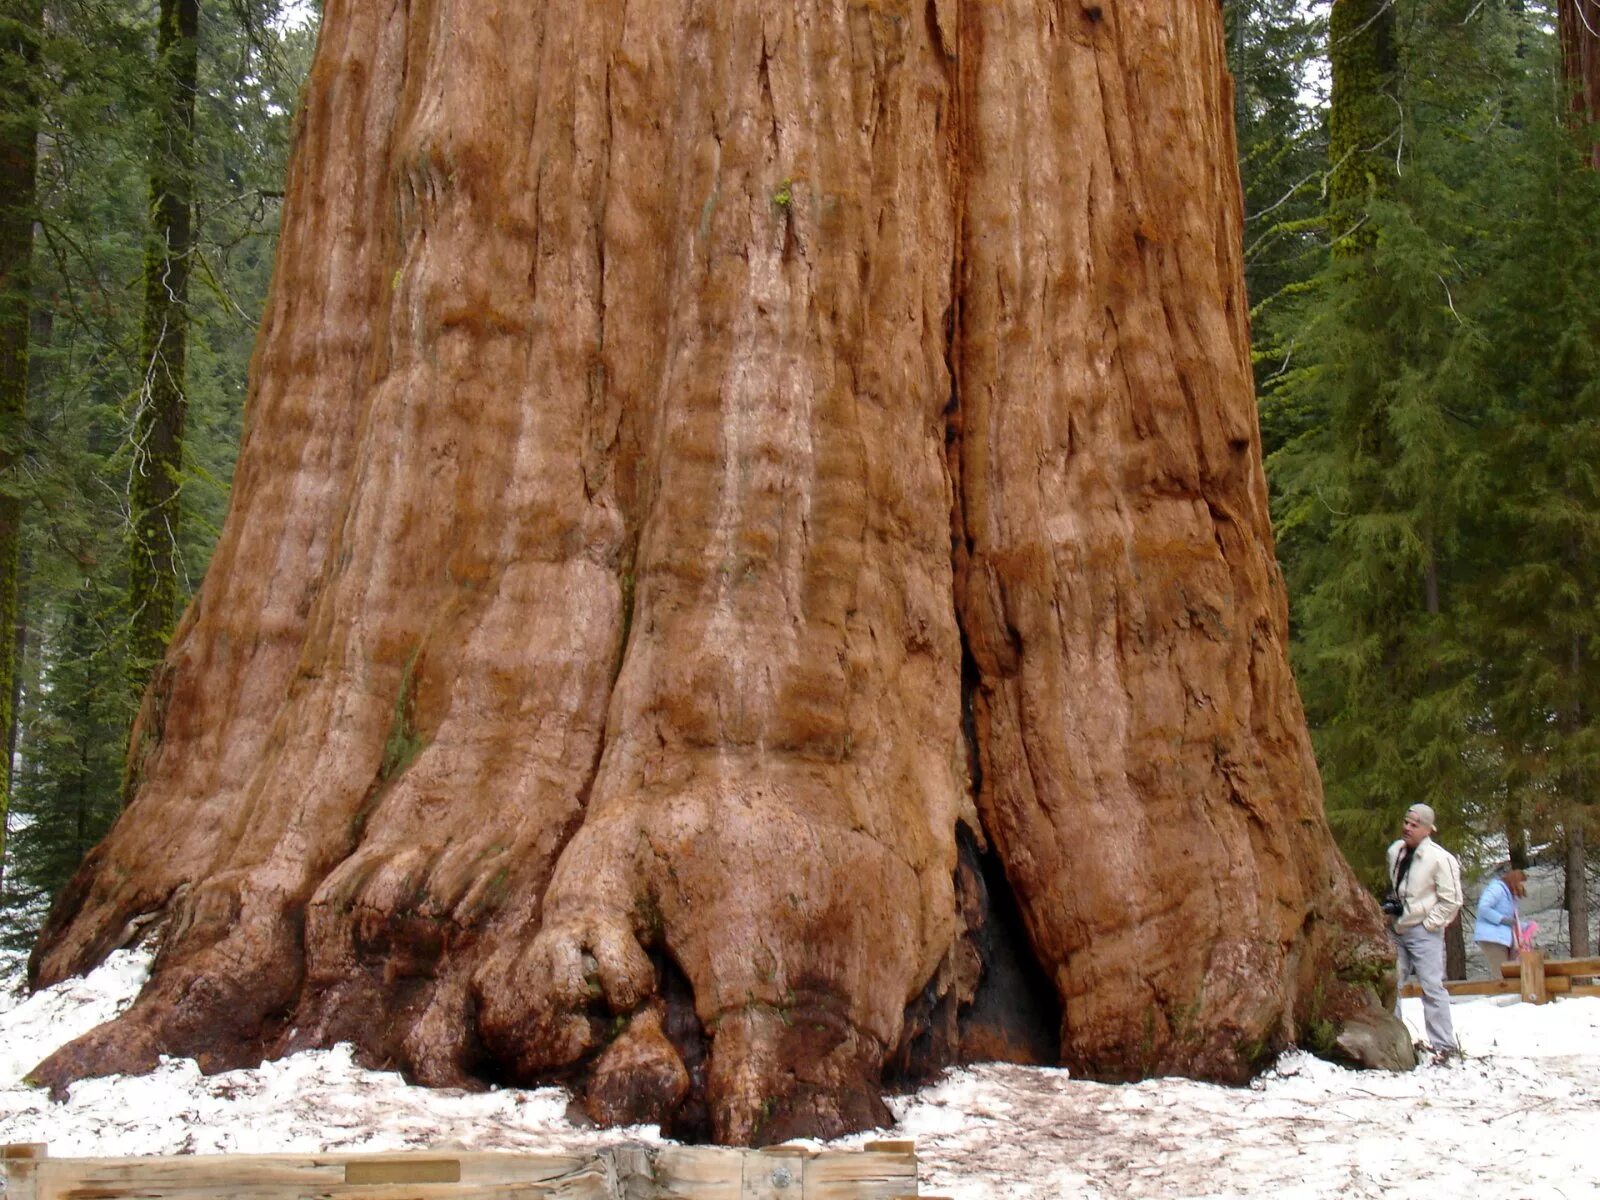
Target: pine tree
[
  {"x": 1274, "y": 47},
  {"x": 20, "y": 29},
  {"x": 1376, "y": 485},
  {"x": 67, "y": 791},
  {"x": 1538, "y": 618}
]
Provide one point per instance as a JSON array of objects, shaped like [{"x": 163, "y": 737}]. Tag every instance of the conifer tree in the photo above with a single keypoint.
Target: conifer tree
[
  {"x": 1363, "y": 128},
  {"x": 161, "y": 400},
  {"x": 20, "y": 28},
  {"x": 1538, "y": 622},
  {"x": 1273, "y": 47},
  {"x": 1379, "y": 476}
]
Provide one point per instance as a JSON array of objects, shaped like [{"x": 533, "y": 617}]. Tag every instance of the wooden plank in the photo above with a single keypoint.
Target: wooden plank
[
  {"x": 406, "y": 1169},
  {"x": 589, "y": 1184},
  {"x": 1481, "y": 987},
  {"x": 1470, "y": 987},
  {"x": 877, "y": 1175},
  {"x": 769, "y": 1176},
  {"x": 1555, "y": 966},
  {"x": 19, "y": 1164},
  {"x": 637, "y": 1172},
  {"x": 273, "y": 1177},
  {"x": 1555, "y": 985},
  {"x": 471, "y": 1167},
  {"x": 699, "y": 1173},
  {"x": 903, "y": 1146}
]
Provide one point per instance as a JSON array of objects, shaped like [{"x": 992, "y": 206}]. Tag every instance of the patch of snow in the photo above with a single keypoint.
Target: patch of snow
[{"x": 1518, "y": 1118}]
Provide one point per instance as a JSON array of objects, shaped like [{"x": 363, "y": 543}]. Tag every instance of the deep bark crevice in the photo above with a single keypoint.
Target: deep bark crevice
[{"x": 1016, "y": 1014}]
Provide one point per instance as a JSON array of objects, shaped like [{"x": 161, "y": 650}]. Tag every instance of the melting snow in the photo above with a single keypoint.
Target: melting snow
[{"x": 1517, "y": 1119}]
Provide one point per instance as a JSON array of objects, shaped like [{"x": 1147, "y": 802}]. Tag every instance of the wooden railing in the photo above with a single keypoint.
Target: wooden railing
[
  {"x": 1538, "y": 978},
  {"x": 881, "y": 1171},
  {"x": 1533, "y": 977}
]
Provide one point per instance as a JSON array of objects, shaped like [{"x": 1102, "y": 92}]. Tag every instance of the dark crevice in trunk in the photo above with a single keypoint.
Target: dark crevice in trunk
[
  {"x": 931, "y": 1043},
  {"x": 1016, "y": 1014},
  {"x": 691, "y": 1122}
]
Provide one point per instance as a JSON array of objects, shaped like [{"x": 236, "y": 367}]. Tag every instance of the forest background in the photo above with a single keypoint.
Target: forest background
[{"x": 1421, "y": 208}]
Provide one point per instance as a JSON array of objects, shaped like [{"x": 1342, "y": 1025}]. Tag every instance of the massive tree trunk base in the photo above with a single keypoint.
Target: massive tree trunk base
[{"x": 748, "y": 581}]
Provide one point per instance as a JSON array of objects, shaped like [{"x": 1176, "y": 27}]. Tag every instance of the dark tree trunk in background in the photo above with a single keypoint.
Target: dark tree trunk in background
[
  {"x": 1455, "y": 949},
  {"x": 700, "y": 459},
  {"x": 1577, "y": 885},
  {"x": 1578, "y": 22},
  {"x": 19, "y": 130},
  {"x": 158, "y": 418},
  {"x": 1363, "y": 119}
]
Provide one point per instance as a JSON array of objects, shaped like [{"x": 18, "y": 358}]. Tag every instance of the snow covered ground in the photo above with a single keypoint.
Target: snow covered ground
[{"x": 1519, "y": 1118}]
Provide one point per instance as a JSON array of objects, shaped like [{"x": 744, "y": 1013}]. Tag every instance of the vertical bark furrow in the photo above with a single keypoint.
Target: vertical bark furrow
[
  {"x": 777, "y": 802},
  {"x": 1578, "y": 24}
]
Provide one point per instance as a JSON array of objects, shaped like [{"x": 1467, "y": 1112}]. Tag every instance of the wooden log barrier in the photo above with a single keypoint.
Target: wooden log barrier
[
  {"x": 1532, "y": 976},
  {"x": 882, "y": 1171},
  {"x": 1554, "y": 985},
  {"x": 1570, "y": 967}
]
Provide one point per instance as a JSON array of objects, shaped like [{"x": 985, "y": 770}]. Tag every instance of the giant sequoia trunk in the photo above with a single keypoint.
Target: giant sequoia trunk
[
  {"x": 743, "y": 506},
  {"x": 1579, "y": 24}
]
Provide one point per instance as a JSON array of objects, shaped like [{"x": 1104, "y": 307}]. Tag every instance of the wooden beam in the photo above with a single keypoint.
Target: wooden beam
[
  {"x": 635, "y": 1171},
  {"x": 699, "y": 1172},
  {"x": 20, "y": 1162},
  {"x": 887, "y": 1169},
  {"x": 1555, "y": 966},
  {"x": 1534, "y": 990},
  {"x": 1469, "y": 987}
]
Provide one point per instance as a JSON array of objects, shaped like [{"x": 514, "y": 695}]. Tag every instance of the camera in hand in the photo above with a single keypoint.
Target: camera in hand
[{"x": 1392, "y": 906}]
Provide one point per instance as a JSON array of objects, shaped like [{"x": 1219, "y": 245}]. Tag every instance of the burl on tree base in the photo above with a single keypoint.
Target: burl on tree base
[{"x": 749, "y": 570}]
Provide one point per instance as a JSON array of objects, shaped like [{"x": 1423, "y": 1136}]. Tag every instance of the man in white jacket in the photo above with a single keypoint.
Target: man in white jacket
[{"x": 1427, "y": 887}]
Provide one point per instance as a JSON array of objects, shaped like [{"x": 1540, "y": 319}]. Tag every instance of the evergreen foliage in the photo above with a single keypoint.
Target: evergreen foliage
[
  {"x": 1434, "y": 464},
  {"x": 98, "y": 113},
  {"x": 1275, "y": 51},
  {"x": 21, "y": 27}
]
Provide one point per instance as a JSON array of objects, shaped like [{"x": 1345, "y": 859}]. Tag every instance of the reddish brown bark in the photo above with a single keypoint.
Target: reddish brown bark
[
  {"x": 686, "y": 440},
  {"x": 1579, "y": 24}
]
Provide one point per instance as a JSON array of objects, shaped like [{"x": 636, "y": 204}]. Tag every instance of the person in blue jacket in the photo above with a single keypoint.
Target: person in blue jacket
[{"x": 1496, "y": 927}]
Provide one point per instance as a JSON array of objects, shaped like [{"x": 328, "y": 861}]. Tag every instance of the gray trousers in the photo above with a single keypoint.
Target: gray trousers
[
  {"x": 1420, "y": 953},
  {"x": 1495, "y": 956}
]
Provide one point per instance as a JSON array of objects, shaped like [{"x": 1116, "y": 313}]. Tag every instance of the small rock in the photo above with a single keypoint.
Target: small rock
[{"x": 1376, "y": 1039}]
